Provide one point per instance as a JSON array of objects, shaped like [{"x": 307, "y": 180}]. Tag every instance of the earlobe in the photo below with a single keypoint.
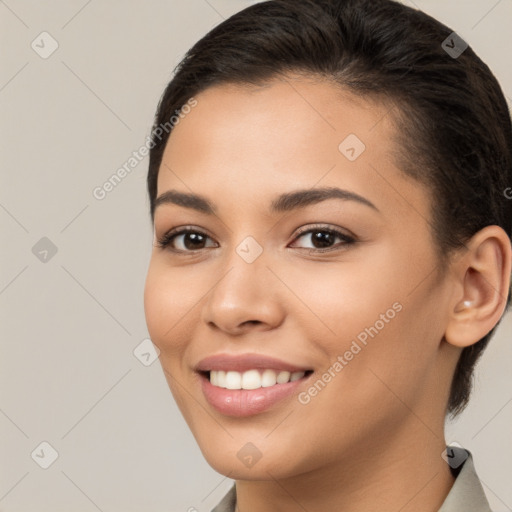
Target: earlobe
[{"x": 483, "y": 274}]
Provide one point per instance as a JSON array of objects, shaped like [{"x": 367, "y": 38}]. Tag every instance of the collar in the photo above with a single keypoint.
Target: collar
[{"x": 467, "y": 493}]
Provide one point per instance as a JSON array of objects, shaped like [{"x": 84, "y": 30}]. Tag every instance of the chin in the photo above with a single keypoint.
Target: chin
[
  {"x": 244, "y": 461},
  {"x": 237, "y": 470}
]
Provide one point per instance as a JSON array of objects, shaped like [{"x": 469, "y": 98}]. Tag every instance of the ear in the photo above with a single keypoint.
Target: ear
[{"x": 482, "y": 283}]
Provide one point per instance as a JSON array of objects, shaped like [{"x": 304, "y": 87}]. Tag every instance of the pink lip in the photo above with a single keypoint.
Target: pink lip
[
  {"x": 244, "y": 362},
  {"x": 247, "y": 402}
]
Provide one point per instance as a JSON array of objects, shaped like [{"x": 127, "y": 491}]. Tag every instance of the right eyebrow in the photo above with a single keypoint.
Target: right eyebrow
[{"x": 187, "y": 200}]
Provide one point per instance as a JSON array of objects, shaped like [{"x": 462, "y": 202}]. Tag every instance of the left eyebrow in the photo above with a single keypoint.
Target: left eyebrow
[
  {"x": 283, "y": 203},
  {"x": 302, "y": 198}
]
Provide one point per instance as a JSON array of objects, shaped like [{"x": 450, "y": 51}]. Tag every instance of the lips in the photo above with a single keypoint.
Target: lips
[
  {"x": 266, "y": 380},
  {"x": 245, "y": 362}
]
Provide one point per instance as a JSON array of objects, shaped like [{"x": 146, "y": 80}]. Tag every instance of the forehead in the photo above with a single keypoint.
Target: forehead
[
  {"x": 255, "y": 141},
  {"x": 287, "y": 108}
]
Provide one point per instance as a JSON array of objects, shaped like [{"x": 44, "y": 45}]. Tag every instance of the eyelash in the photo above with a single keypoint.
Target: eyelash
[{"x": 165, "y": 241}]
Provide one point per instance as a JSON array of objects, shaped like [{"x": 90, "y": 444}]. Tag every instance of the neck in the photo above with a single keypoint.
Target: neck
[{"x": 406, "y": 473}]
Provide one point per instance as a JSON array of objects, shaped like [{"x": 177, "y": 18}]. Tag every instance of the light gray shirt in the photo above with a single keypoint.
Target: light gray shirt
[{"x": 466, "y": 494}]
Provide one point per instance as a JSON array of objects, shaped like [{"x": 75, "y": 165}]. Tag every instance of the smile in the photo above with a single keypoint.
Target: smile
[
  {"x": 249, "y": 383},
  {"x": 252, "y": 379}
]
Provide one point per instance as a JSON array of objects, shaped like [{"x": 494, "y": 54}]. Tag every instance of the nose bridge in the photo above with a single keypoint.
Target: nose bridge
[
  {"x": 243, "y": 273},
  {"x": 242, "y": 291}
]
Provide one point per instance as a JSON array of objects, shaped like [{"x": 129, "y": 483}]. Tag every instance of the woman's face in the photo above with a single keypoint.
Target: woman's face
[{"x": 363, "y": 319}]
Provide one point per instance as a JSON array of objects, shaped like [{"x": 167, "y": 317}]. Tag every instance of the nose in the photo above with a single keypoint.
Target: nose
[{"x": 246, "y": 298}]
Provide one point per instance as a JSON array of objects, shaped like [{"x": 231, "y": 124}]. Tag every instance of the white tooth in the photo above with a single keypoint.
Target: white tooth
[
  {"x": 221, "y": 378},
  {"x": 251, "y": 379},
  {"x": 233, "y": 380},
  {"x": 283, "y": 377},
  {"x": 268, "y": 378}
]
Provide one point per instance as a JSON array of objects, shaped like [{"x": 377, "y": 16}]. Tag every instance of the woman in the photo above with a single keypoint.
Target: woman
[{"x": 332, "y": 252}]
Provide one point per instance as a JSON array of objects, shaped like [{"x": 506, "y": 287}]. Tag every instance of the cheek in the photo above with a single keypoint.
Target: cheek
[
  {"x": 339, "y": 300},
  {"x": 366, "y": 314},
  {"x": 166, "y": 302},
  {"x": 168, "y": 297}
]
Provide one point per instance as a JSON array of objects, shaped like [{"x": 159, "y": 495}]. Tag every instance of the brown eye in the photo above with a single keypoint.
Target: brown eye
[
  {"x": 323, "y": 238},
  {"x": 193, "y": 241},
  {"x": 184, "y": 240}
]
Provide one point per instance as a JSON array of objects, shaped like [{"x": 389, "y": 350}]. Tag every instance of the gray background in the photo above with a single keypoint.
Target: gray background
[{"x": 70, "y": 323}]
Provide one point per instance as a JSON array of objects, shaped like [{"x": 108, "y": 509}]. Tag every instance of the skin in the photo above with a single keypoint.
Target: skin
[{"x": 373, "y": 437}]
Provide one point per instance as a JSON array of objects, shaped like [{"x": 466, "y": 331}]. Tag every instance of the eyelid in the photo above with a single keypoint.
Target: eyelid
[
  {"x": 164, "y": 241},
  {"x": 325, "y": 227},
  {"x": 347, "y": 239}
]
